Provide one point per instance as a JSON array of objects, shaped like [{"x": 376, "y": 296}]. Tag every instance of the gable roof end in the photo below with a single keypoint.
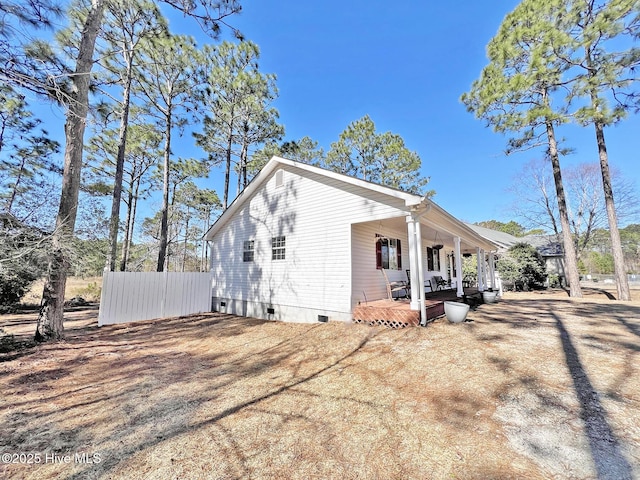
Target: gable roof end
[{"x": 410, "y": 200}]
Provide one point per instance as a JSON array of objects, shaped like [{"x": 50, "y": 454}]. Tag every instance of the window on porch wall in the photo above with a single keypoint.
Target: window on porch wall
[{"x": 388, "y": 253}]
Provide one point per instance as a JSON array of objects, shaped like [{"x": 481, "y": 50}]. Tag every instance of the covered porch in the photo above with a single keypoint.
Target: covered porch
[
  {"x": 399, "y": 314},
  {"x": 424, "y": 245}
]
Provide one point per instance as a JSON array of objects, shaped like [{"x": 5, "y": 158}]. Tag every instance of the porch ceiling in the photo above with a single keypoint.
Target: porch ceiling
[{"x": 428, "y": 233}]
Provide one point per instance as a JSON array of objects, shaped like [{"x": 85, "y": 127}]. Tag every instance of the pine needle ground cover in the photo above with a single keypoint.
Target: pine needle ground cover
[{"x": 535, "y": 386}]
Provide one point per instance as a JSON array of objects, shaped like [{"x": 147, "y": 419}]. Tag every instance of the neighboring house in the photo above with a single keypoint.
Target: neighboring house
[
  {"x": 304, "y": 244},
  {"x": 549, "y": 246}
]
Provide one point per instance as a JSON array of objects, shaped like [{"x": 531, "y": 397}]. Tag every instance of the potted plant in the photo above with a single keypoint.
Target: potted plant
[
  {"x": 489, "y": 296},
  {"x": 456, "y": 312}
]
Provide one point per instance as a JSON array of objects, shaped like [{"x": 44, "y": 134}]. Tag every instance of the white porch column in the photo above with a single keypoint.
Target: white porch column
[
  {"x": 492, "y": 270},
  {"x": 413, "y": 263},
  {"x": 485, "y": 268},
  {"x": 481, "y": 270},
  {"x": 423, "y": 307},
  {"x": 458, "y": 260}
]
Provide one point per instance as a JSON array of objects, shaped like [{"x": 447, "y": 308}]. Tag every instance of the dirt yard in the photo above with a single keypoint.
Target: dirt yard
[{"x": 536, "y": 386}]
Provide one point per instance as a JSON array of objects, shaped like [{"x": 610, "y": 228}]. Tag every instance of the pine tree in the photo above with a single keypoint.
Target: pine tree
[
  {"x": 25, "y": 158},
  {"x": 76, "y": 97},
  {"x": 605, "y": 59},
  {"x": 127, "y": 24},
  {"x": 50, "y": 324},
  {"x": 305, "y": 150},
  {"x": 237, "y": 97},
  {"x": 169, "y": 78},
  {"x": 515, "y": 94},
  {"x": 380, "y": 158}
]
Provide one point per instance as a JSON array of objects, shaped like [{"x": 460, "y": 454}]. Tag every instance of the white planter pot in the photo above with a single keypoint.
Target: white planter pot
[
  {"x": 489, "y": 297},
  {"x": 456, "y": 312}
]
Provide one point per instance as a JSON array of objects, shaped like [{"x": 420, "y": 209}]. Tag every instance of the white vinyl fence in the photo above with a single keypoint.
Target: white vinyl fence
[{"x": 131, "y": 296}]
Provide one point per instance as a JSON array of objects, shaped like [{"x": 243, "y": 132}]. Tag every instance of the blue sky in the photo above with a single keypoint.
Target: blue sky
[{"x": 405, "y": 64}]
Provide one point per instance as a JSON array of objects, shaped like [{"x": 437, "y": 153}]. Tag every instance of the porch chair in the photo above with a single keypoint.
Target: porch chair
[
  {"x": 427, "y": 283},
  {"x": 439, "y": 282},
  {"x": 399, "y": 288}
]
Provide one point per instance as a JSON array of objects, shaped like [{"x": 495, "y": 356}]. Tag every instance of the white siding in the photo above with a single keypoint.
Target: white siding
[{"x": 315, "y": 214}]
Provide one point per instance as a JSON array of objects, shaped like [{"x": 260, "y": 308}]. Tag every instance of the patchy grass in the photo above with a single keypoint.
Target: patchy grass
[
  {"x": 535, "y": 386},
  {"x": 89, "y": 288}
]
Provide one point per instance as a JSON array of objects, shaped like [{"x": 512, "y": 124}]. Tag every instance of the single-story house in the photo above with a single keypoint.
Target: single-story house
[{"x": 303, "y": 244}]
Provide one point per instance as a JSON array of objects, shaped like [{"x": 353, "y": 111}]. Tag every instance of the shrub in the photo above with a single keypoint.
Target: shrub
[
  {"x": 91, "y": 293},
  {"x": 554, "y": 280},
  {"x": 14, "y": 284},
  {"x": 22, "y": 258},
  {"x": 522, "y": 263},
  {"x": 470, "y": 268}
]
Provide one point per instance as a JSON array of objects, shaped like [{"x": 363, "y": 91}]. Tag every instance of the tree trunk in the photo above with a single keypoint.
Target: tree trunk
[
  {"x": 622, "y": 283},
  {"x": 239, "y": 171},
  {"x": 50, "y": 325},
  {"x": 132, "y": 229},
  {"x": 570, "y": 260},
  {"x": 114, "y": 222},
  {"x": 184, "y": 244},
  {"x": 227, "y": 174},
  {"x": 203, "y": 246},
  {"x": 3, "y": 127},
  {"x": 127, "y": 231},
  {"x": 164, "y": 222},
  {"x": 243, "y": 162}
]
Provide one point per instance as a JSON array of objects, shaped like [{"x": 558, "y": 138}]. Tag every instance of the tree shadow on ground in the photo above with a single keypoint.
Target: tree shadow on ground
[
  {"x": 605, "y": 448},
  {"x": 272, "y": 357},
  {"x": 127, "y": 396},
  {"x": 604, "y": 334},
  {"x": 587, "y": 292},
  {"x": 14, "y": 346}
]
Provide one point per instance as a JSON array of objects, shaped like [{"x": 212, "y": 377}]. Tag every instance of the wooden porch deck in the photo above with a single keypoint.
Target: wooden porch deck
[{"x": 398, "y": 313}]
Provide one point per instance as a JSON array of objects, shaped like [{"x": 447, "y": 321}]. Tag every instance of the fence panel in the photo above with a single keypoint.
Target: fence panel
[{"x": 131, "y": 296}]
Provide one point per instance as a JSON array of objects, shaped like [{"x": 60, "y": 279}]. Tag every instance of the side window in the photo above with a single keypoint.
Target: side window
[
  {"x": 278, "y": 248},
  {"x": 248, "y": 250}
]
